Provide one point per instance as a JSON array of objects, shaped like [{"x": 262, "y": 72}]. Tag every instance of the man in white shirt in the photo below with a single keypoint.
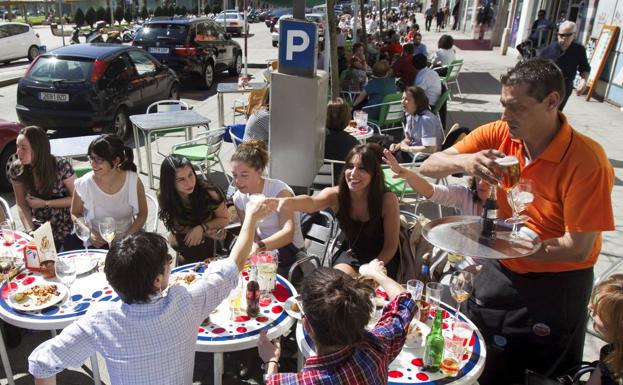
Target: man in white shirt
[
  {"x": 427, "y": 79},
  {"x": 147, "y": 337}
]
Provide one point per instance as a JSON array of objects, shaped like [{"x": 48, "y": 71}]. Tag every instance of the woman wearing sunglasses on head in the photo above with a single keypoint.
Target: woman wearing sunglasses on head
[{"x": 112, "y": 189}]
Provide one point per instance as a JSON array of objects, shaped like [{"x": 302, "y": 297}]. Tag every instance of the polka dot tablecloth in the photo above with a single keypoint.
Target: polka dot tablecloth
[
  {"x": 407, "y": 368},
  {"x": 88, "y": 289},
  {"x": 223, "y": 333},
  {"x": 21, "y": 240}
]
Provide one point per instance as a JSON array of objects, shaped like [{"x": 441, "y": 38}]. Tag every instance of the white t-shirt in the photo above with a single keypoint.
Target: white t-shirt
[
  {"x": 429, "y": 81},
  {"x": 122, "y": 205},
  {"x": 270, "y": 225},
  {"x": 443, "y": 57}
]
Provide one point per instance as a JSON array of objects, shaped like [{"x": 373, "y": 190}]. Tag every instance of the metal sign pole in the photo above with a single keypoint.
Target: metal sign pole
[
  {"x": 246, "y": 36},
  {"x": 60, "y": 11}
]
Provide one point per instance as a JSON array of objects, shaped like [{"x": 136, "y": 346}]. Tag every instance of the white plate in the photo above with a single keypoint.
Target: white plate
[
  {"x": 288, "y": 307},
  {"x": 414, "y": 339},
  {"x": 179, "y": 278},
  {"x": 30, "y": 303},
  {"x": 85, "y": 263}
]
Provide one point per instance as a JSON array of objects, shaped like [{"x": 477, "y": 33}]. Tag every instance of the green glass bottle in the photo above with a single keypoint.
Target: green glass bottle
[{"x": 433, "y": 350}]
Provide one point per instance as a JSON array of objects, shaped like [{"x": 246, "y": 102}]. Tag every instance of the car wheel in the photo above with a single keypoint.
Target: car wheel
[
  {"x": 237, "y": 68},
  {"x": 8, "y": 156},
  {"x": 121, "y": 123},
  {"x": 208, "y": 75},
  {"x": 275, "y": 44},
  {"x": 174, "y": 92},
  {"x": 33, "y": 52}
]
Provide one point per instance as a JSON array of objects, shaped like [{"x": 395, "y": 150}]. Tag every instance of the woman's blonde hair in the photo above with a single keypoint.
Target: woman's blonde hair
[
  {"x": 608, "y": 306},
  {"x": 254, "y": 153}
]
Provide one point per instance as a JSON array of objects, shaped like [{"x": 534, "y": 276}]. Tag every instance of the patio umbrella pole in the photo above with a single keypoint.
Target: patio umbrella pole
[{"x": 60, "y": 12}]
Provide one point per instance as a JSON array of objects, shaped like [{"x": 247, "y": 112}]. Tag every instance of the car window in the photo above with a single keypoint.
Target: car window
[
  {"x": 214, "y": 29},
  {"x": 15, "y": 29},
  {"x": 121, "y": 68},
  {"x": 163, "y": 31},
  {"x": 4, "y": 31},
  {"x": 50, "y": 69},
  {"x": 205, "y": 32},
  {"x": 143, "y": 64}
]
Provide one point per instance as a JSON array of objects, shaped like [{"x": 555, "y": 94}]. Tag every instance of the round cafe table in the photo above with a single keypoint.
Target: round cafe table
[
  {"x": 224, "y": 333},
  {"x": 407, "y": 368},
  {"x": 361, "y": 135},
  {"x": 88, "y": 289}
]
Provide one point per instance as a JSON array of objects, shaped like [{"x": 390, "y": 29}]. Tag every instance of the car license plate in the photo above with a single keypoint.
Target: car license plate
[
  {"x": 54, "y": 97},
  {"x": 158, "y": 50}
]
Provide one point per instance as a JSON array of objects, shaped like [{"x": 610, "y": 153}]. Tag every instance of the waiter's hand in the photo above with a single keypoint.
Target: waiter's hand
[
  {"x": 482, "y": 164},
  {"x": 581, "y": 87}
]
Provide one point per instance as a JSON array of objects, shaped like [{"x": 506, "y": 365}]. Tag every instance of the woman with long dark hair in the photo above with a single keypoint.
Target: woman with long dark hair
[
  {"x": 112, "y": 189},
  {"x": 368, "y": 214},
  {"x": 192, "y": 209},
  {"x": 43, "y": 185}
]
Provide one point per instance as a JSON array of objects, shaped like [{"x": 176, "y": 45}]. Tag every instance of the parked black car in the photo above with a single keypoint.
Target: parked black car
[
  {"x": 92, "y": 87},
  {"x": 191, "y": 47}
]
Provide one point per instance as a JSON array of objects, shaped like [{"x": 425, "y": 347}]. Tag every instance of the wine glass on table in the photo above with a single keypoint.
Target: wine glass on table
[
  {"x": 66, "y": 271},
  {"x": 519, "y": 198},
  {"x": 461, "y": 287},
  {"x": 7, "y": 264},
  {"x": 107, "y": 227},
  {"x": 83, "y": 231},
  {"x": 8, "y": 232}
]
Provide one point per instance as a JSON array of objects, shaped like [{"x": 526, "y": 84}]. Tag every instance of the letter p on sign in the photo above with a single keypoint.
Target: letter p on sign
[{"x": 291, "y": 48}]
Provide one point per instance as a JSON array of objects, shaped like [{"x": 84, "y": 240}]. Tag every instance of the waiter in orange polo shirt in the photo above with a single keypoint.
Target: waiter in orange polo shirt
[{"x": 532, "y": 311}]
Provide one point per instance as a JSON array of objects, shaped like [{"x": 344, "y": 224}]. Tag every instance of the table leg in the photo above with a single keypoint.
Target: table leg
[
  {"x": 137, "y": 146},
  {"x": 53, "y": 332},
  {"x": 150, "y": 171},
  {"x": 96, "y": 370},
  {"x": 5, "y": 362},
  {"x": 221, "y": 110},
  {"x": 188, "y": 133},
  {"x": 300, "y": 360},
  {"x": 218, "y": 368}
]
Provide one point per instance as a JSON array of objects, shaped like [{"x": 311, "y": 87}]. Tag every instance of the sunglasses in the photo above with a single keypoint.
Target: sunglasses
[
  {"x": 565, "y": 34},
  {"x": 96, "y": 159}
]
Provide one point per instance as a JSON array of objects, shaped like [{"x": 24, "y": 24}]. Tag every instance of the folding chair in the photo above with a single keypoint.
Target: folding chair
[
  {"x": 440, "y": 108},
  {"x": 203, "y": 151},
  {"x": 452, "y": 77},
  {"x": 152, "y": 214},
  {"x": 327, "y": 175},
  {"x": 167, "y": 106},
  {"x": 256, "y": 99},
  {"x": 235, "y": 134},
  {"x": 391, "y": 116}
]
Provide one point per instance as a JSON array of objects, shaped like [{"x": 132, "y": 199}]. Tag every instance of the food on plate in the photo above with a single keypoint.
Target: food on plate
[
  {"x": 20, "y": 297},
  {"x": 185, "y": 279},
  {"x": 352, "y": 123},
  {"x": 295, "y": 306},
  {"x": 41, "y": 294}
]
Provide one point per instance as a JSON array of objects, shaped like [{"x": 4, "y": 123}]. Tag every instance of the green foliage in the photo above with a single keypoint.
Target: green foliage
[
  {"x": 79, "y": 17},
  {"x": 207, "y": 9},
  {"x": 101, "y": 14},
  {"x": 128, "y": 15},
  {"x": 108, "y": 16},
  {"x": 184, "y": 11},
  {"x": 170, "y": 11},
  {"x": 159, "y": 11},
  {"x": 144, "y": 13},
  {"x": 119, "y": 14},
  {"x": 91, "y": 16},
  {"x": 217, "y": 9}
]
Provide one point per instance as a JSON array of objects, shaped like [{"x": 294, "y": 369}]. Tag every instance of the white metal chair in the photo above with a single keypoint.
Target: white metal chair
[
  {"x": 152, "y": 214},
  {"x": 391, "y": 114},
  {"x": 327, "y": 174},
  {"x": 203, "y": 151},
  {"x": 168, "y": 106}
]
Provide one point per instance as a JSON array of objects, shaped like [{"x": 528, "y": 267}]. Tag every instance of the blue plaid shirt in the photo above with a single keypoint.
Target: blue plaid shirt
[
  {"x": 363, "y": 363},
  {"x": 151, "y": 343}
]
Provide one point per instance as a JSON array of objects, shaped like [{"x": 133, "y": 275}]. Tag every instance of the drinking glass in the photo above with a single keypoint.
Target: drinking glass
[
  {"x": 519, "y": 198},
  {"x": 83, "y": 232},
  {"x": 433, "y": 295},
  {"x": 415, "y": 287},
  {"x": 7, "y": 264},
  {"x": 510, "y": 172},
  {"x": 266, "y": 263},
  {"x": 461, "y": 287},
  {"x": 107, "y": 227},
  {"x": 8, "y": 232},
  {"x": 66, "y": 271}
]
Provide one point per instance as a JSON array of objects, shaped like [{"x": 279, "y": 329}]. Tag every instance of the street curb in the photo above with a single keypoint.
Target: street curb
[
  {"x": 10, "y": 81},
  {"x": 257, "y": 65}
]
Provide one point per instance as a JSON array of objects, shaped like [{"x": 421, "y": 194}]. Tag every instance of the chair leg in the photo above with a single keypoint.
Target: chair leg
[
  {"x": 223, "y": 169},
  {"x": 459, "y": 88}
]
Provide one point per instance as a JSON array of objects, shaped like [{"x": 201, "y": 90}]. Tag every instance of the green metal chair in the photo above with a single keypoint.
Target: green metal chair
[
  {"x": 391, "y": 115},
  {"x": 452, "y": 76},
  {"x": 203, "y": 151},
  {"x": 82, "y": 170}
]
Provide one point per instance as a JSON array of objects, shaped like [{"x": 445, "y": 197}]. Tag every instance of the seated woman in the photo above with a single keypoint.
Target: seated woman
[
  {"x": 279, "y": 231},
  {"x": 423, "y": 133},
  {"x": 377, "y": 88},
  {"x": 368, "y": 214},
  {"x": 42, "y": 186},
  {"x": 337, "y": 142},
  {"x": 337, "y": 310},
  {"x": 112, "y": 189},
  {"x": 192, "y": 209},
  {"x": 444, "y": 55},
  {"x": 607, "y": 308}
]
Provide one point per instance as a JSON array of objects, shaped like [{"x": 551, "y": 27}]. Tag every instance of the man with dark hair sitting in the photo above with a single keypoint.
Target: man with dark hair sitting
[
  {"x": 148, "y": 337},
  {"x": 337, "y": 309}
]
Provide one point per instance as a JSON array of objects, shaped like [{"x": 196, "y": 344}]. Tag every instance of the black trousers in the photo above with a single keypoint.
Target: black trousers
[
  {"x": 568, "y": 91},
  {"x": 429, "y": 21},
  {"x": 529, "y": 320}
]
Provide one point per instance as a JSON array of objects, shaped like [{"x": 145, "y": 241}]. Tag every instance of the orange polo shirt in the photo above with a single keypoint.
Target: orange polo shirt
[{"x": 572, "y": 186}]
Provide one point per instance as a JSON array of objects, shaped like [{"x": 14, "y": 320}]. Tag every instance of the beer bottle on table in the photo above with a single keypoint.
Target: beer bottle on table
[
  {"x": 253, "y": 294},
  {"x": 489, "y": 216},
  {"x": 433, "y": 349}
]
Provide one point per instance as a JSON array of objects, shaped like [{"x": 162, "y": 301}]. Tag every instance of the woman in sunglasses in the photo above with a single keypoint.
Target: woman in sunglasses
[
  {"x": 112, "y": 189},
  {"x": 43, "y": 185}
]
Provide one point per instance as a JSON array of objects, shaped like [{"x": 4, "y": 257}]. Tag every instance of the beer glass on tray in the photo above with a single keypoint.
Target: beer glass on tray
[{"x": 510, "y": 172}]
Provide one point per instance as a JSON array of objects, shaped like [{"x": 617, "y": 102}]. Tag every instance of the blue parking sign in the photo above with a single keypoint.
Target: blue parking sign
[{"x": 297, "y": 47}]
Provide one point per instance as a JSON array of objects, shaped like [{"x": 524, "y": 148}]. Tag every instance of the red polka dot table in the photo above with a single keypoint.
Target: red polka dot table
[
  {"x": 224, "y": 333},
  {"x": 88, "y": 289},
  {"x": 407, "y": 368}
]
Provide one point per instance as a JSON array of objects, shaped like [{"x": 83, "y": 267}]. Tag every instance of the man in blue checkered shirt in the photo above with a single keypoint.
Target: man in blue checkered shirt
[{"x": 146, "y": 338}]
